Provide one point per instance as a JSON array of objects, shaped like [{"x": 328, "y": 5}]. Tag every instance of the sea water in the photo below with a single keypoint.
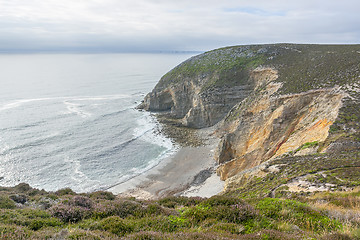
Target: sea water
[{"x": 69, "y": 120}]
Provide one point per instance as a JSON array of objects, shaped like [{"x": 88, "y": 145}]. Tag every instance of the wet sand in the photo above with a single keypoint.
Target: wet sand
[{"x": 189, "y": 172}]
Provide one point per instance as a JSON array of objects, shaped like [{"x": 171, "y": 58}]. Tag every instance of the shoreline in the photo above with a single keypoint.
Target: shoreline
[{"x": 188, "y": 172}]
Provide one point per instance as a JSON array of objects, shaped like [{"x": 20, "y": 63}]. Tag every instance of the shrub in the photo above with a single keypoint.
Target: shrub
[
  {"x": 155, "y": 209},
  {"x": 22, "y": 188},
  {"x": 68, "y": 213},
  {"x": 79, "y": 234},
  {"x": 219, "y": 200},
  {"x": 115, "y": 225},
  {"x": 18, "y": 198},
  {"x": 81, "y": 201},
  {"x": 14, "y": 232},
  {"x": 336, "y": 236},
  {"x": 64, "y": 191},
  {"x": 32, "y": 218},
  {"x": 197, "y": 213},
  {"x": 73, "y": 210},
  {"x": 160, "y": 223},
  {"x": 146, "y": 236},
  {"x": 102, "y": 195},
  {"x": 227, "y": 228},
  {"x": 6, "y": 202},
  {"x": 121, "y": 208},
  {"x": 272, "y": 235},
  {"x": 172, "y": 202},
  {"x": 234, "y": 214},
  {"x": 297, "y": 213}
]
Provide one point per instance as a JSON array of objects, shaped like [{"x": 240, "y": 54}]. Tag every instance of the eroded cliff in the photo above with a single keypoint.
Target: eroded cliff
[{"x": 268, "y": 101}]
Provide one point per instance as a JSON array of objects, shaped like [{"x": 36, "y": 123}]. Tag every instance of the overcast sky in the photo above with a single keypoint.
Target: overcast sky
[{"x": 160, "y": 25}]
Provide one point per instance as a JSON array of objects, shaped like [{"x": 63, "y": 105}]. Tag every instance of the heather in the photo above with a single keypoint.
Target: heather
[{"x": 28, "y": 213}]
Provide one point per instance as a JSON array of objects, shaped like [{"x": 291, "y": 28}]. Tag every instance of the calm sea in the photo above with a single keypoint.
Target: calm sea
[{"x": 68, "y": 120}]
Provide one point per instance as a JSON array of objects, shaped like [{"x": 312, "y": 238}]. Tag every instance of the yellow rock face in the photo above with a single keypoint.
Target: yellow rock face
[{"x": 268, "y": 126}]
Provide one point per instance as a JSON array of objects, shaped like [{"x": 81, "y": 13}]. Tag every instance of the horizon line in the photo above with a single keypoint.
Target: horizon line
[{"x": 77, "y": 51}]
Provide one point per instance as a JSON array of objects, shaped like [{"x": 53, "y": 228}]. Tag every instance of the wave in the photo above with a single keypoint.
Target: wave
[
  {"x": 34, "y": 143},
  {"x": 115, "y": 113},
  {"x": 22, "y": 127},
  {"x": 95, "y": 140},
  {"x": 100, "y": 98},
  {"x": 75, "y": 108},
  {"x": 146, "y": 131},
  {"x": 114, "y": 149},
  {"x": 20, "y": 102},
  {"x": 150, "y": 129}
]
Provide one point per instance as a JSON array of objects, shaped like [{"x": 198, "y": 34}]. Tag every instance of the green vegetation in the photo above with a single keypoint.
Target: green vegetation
[
  {"x": 101, "y": 215},
  {"x": 222, "y": 67},
  {"x": 343, "y": 166}
]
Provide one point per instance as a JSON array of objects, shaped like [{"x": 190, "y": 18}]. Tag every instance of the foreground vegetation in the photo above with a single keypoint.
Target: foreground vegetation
[{"x": 27, "y": 213}]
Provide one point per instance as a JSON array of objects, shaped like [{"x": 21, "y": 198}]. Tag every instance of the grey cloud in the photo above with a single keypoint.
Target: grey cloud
[{"x": 147, "y": 25}]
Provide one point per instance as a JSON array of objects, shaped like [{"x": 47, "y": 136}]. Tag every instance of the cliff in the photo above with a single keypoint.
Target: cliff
[{"x": 267, "y": 101}]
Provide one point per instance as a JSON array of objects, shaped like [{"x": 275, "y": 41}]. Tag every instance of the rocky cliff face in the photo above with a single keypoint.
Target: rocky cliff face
[
  {"x": 202, "y": 90},
  {"x": 269, "y": 101},
  {"x": 269, "y": 126}
]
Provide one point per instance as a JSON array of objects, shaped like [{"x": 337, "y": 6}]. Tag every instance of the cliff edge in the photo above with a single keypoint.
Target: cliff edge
[{"x": 267, "y": 102}]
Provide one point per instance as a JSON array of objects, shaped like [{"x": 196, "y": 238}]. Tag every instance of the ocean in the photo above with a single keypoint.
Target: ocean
[{"x": 69, "y": 120}]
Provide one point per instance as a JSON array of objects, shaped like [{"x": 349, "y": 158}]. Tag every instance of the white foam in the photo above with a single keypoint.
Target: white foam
[
  {"x": 149, "y": 130},
  {"x": 75, "y": 108},
  {"x": 18, "y": 103},
  {"x": 100, "y": 98},
  {"x": 75, "y": 165},
  {"x": 3, "y": 147}
]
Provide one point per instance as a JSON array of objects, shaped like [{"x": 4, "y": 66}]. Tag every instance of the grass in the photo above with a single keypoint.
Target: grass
[
  {"x": 218, "y": 217},
  {"x": 342, "y": 165},
  {"x": 222, "y": 67}
]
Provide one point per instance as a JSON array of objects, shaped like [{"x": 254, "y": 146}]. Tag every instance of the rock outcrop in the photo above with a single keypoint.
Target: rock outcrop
[
  {"x": 268, "y": 101},
  {"x": 272, "y": 126},
  {"x": 202, "y": 98}
]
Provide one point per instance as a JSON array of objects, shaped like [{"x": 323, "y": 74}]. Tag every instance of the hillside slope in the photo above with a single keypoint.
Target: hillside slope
[{"x": 268, "y": 101}]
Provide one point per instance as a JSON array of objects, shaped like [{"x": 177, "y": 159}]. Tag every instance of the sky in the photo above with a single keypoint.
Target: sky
[{"x": 171, "y": 25}]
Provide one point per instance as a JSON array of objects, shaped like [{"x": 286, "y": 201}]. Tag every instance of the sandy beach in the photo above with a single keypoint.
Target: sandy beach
[{"x": 189, "y": 172}]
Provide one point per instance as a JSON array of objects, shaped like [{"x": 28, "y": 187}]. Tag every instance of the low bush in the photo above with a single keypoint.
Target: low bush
[
  {"x": 222, "y": 227},
  {"x": 6, "y": 202},
  {"x": 234, "y": 214},
  {"x": 102, "y": 195},
  {"x": 64, "y": 191},
  {"x": 297, "y": 213},
  {"x": 336, "y": 236},
  {"x": 121, "y": 208},
  {"x": 156, "y": 209},
  {"x": 115, "y": 225},
  {"x": 172, "y": 202},
  {"x": 219, "y": 200},
  {"x": 13, "y": 232},
  {"x": 81, "y": 201},
  {"x": 32, "y": 218},
  {"x": 149, "y": 235},
  {"x": 69, "y": 213},
  {"x": 18, "y": 198}
]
